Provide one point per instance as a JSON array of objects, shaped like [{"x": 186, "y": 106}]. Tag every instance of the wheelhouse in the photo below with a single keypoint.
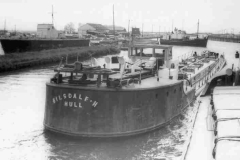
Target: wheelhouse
[{"x": 144, "y": 52}]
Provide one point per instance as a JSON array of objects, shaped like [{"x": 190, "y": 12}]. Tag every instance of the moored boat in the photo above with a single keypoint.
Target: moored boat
[
  {"x": 226, "y": 115},
  {"x": 224, "y": 112},
  {"x": 180, "y": 38},
  {"x": 186, "y": 42},
  {"x": 148, "y": 92},
  {"x": 26, "y": 45}
]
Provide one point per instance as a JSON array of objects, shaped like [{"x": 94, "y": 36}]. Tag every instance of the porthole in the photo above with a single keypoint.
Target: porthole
[
  {"x": 174, "y": 91},
  {"x": 156, "y": 95},
  {"x": 167, "y": 94},
  {"x": 180, "y": 88}
]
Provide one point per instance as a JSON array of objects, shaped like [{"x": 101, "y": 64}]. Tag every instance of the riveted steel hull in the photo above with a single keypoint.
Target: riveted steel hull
[{"x": 111, "y": 112}]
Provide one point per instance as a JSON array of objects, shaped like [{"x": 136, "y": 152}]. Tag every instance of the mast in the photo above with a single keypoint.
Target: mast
[
  {"x": 4, "y": 26},
  {"x": 182, "y": 25},
  {"x": 159, "y": 30},
  {"x": 197, "y": 28},
  {"x": 52, "y": 15},
  {"x": 113, "y": 24},
  {"x": 142, "y": 29},
  {"x": 128, "y": 28}
]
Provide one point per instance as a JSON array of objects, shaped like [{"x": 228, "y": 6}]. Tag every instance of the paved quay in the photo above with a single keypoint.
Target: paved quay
[{"x": 201, "y": 142}]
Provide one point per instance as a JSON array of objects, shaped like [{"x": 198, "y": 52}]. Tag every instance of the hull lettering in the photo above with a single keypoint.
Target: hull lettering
[{"x": 78, "y": 103}]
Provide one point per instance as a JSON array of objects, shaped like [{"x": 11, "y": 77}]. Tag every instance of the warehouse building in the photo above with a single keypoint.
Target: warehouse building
[
  {"x": 92, "y": 28},
  {"x": 46, "y": 31}
]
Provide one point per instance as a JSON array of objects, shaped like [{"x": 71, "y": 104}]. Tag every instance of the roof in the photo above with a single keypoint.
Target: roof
[
  {"x": 135, "y": 31},
  {"x": 119, "y": 28},
  {"x": 88, "y": 32},
  {"x": 98, "y": 27},
  {"x": 44, "y": 26},
  {"x": 226, "y": 90}
]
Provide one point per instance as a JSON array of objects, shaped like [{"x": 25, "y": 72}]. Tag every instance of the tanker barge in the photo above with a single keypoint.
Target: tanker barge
[
  {"x": 185, "y": 42},
  {"x": 148, "y": 91},
  {"x": 180, "y": 38},
  {"x": 224, "y": 112},
  {"x": 27, "y": 45}
]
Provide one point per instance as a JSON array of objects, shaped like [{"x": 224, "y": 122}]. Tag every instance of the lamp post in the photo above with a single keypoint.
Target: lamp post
[
  {"x": 237, "y": 56},
  {"x": 152, "y": 29},
  {"x": 159, "y": 31},
  {"x": 237, "y": 70},
  {"x": 128, "y": 28}
]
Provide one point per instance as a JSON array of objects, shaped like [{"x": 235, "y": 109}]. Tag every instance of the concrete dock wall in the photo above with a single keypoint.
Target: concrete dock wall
[
  {"x": 224, "y": 39},
  {"x": 18, "y": 45}
]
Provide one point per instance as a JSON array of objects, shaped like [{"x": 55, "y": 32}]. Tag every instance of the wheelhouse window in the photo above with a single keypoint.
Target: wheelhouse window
[
  {"x": 159, "y": 52},
  {"x": 134, "y": 51},
  {"x": 146, "y": 52},
  {"x": 115, "y": 60}
]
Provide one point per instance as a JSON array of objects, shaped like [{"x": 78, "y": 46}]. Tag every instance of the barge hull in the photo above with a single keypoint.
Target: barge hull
[
  {"x": 24, "y": 45},
  {"x": 76, "y": 111},
  {"x": 195, "y": 42}
]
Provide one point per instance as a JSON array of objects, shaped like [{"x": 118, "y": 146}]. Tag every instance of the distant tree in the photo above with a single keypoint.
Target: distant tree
[{"x": 69, "y": 28}]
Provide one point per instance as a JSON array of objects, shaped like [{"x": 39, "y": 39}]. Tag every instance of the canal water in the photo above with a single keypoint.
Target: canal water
[{"x": 22, "y": 136}]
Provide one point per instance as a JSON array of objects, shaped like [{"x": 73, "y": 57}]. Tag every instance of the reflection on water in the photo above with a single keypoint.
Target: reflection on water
[
  {"x": 1, "y": 50},
  {"x": 22, "y": 102}
]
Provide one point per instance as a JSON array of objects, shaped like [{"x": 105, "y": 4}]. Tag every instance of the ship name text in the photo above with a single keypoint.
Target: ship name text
[{"x": 69, "y": 100}]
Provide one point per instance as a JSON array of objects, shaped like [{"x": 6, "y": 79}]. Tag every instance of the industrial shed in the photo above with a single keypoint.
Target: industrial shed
[
  {"x": 91, "y": 28},
  {"x": 46, "y": 31}
]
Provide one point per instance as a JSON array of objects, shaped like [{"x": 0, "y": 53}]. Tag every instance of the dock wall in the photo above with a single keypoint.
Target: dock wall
[
  {"x": 18, "y": 45},
  {"x": 224, "y": 39},
  {"x": 14, "y": 61}
]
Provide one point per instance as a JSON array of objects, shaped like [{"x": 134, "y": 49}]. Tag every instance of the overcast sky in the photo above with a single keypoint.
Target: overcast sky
[{"x": 214, "y": 15}]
